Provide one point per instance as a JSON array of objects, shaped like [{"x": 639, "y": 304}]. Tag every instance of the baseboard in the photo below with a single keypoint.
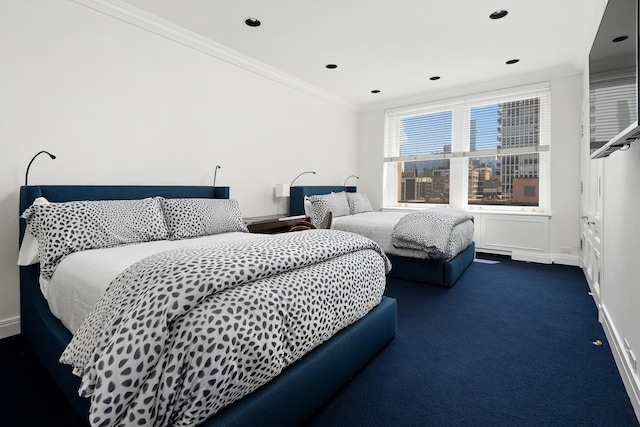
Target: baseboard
[
  {"x": 540, "y": 258},
  {"x": 630, "y": 380},
  {"x": 9, "y": 327},
  {"x": 566, "y": 259}
]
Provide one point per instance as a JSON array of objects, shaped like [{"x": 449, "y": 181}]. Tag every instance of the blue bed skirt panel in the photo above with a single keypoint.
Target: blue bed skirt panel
[
  {"x": 297, "y": 195},
  {"x": 439, "y": 273}
]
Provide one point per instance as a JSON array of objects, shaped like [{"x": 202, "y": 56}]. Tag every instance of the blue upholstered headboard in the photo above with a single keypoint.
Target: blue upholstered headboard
[
  {"x": 297, "y": 195},
  {"x": 67, "y": 193}
]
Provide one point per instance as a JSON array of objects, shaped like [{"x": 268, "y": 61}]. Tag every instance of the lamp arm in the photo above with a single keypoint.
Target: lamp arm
[
  {"x": 215, "y": 173},
  {"x": 26, "y": 175},
  {"x": 350, "y": 176},
  {"x": 294, "y": 179}
]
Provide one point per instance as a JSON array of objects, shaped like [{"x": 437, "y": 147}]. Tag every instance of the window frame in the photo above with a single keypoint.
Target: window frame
[{"x": 460, "y": 147}]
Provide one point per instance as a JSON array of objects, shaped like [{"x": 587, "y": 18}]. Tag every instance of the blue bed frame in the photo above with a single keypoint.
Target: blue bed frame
[
  {"x": 288, "y": 400},
  {"x": 433, "y": 272}
]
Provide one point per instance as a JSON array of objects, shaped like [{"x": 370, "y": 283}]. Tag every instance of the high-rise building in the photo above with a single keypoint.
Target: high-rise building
[{"x": 518, "y": 126}]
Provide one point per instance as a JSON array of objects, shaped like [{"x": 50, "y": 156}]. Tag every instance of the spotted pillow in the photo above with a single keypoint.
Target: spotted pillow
[
  {"x": 64, "y": 228},
  {"x": 188, "y": 218},
  {"x": 336, "y": 203},
  {"x": 358, "y": 203}
]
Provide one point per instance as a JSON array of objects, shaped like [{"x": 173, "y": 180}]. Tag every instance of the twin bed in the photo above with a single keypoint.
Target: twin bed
[
  {"x": 258, "y": 330},
  {"x": 441, "y": 266}
]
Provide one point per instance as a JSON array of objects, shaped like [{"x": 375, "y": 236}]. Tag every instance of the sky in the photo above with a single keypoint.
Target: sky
[{"x": 430, "y": 133}]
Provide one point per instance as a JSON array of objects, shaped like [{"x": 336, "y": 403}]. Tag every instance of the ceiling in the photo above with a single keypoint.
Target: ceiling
[{"x": 394, "y": 46}]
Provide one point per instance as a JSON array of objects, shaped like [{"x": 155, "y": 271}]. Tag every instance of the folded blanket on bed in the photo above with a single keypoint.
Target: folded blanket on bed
[
  {"x": 429, "y": 229},
  {"x": 183, "y": 333}
]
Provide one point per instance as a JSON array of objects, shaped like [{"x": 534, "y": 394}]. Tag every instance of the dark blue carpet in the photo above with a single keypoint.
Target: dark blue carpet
[{"x": 509, "y": 345}]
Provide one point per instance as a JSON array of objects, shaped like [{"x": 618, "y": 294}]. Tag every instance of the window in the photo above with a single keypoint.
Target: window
[{"x": 484, "y": 150}]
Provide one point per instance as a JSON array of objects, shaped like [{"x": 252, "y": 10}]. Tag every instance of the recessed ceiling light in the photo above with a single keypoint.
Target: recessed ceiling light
[
  {"x": 499, "y": 14},
  {"x": 252, "y": 22},
  {"x": 375, "y": 91},
  {"x": 434, "y": 78},
  {"x": 331, "y": 66},
  {"x": 620, "y": 39},
  {"x": 512, "y": 61}
]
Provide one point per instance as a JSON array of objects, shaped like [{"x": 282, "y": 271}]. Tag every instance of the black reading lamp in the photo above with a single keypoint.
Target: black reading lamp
[
  {"x": 26, "y": 175},
  {"x": 215, "y": 173},
  {"x": 350, "y": 176}
]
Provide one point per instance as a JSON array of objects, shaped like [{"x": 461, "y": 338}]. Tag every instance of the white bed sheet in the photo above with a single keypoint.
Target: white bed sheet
[
  {"x": 378, "y": 226},
  {"x": 82, "y": 277}
]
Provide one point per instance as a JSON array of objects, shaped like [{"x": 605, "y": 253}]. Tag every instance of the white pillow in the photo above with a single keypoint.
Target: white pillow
[
  {"x": 28, "y": 254},
  {"x": 359, "y": 203},
  {"x": 321, "y": 205},
  {"x": 338, "y": 204},
  {"x": 308, "y": 207}
]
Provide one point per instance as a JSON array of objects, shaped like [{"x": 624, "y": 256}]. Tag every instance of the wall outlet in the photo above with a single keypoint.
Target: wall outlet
[{"x": 565, "y": 250}]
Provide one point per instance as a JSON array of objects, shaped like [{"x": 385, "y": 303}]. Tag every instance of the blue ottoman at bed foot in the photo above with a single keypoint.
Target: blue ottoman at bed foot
[{"x": 438, "y": 272}]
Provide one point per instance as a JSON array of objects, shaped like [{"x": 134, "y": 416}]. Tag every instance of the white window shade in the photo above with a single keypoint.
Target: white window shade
[
  {"x": 424, "y": 133},
  {"x": 506, "y": 123}
]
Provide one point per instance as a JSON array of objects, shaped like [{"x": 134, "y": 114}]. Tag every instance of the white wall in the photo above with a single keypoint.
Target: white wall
[
  {"x": 371, "y": 150},
  {"x": 121, "y": 105},
  {"x": 566, "y": 138},
  {"x": 566, "y": 101}
]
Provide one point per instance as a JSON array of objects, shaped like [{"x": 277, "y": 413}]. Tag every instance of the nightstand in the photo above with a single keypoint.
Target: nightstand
[{"x": 270, "y": 224}]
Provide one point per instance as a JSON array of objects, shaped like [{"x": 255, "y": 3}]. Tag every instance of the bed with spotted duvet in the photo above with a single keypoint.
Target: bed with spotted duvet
[
  {"x": 433, "y": 246},
  {"x": 235, "y": 332}
]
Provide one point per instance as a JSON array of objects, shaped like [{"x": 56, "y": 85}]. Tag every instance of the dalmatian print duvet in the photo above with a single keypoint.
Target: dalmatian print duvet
[
  {"x": 183, "y": 333},
  {"x": 430, "y": 230}
]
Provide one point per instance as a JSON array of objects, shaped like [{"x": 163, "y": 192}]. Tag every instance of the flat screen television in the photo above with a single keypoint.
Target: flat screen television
[{"x": 613, "y": 79}]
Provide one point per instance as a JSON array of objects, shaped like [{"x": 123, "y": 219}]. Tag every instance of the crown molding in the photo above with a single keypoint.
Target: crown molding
[{"x": 131, "y": 15}]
